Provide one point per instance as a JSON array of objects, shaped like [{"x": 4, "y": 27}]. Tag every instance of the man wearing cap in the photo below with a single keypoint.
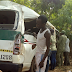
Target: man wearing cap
[{"x": 61, "y": 48}]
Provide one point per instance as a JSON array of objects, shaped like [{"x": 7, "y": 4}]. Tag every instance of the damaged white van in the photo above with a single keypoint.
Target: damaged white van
[{"x": 14, "y": 55}]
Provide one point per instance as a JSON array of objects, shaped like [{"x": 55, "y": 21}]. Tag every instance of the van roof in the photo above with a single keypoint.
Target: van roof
[{"x": 10, "y": 5}]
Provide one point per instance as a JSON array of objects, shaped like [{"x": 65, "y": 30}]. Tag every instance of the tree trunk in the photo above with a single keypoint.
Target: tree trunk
[{"x": 71, "y": 28}]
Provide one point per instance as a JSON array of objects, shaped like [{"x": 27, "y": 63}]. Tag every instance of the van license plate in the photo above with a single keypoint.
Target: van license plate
[{"x": 6, "y": 57}]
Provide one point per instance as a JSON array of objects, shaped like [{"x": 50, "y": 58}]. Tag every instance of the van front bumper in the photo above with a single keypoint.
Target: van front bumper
[{"x": 7, "y": 66}]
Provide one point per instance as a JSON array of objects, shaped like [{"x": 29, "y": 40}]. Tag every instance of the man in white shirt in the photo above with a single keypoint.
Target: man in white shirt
[
  {"x": 66, "y": 53},
  {"x": 43, "y": 44}
]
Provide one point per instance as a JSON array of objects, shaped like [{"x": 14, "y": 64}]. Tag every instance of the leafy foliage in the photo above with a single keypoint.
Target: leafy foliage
[{"x": 63, "y": 21}]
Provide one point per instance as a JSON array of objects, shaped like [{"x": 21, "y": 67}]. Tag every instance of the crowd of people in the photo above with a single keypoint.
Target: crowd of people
[{"x": 50, "y": 47}]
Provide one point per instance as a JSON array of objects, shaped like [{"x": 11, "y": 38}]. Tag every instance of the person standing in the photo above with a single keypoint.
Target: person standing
[
  {"x": 60, "y": 48},
  {"x": 52, "y": 52},
  {"x": 53, "y": 49},
  {"x": 66, "y": 53},
  {"x": 43, "y": 44}
]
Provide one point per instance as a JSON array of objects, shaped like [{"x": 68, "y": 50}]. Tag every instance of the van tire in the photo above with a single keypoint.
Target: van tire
[{"x": 33, "y": 65}]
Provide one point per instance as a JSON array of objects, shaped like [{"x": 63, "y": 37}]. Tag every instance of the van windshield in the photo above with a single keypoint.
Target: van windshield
[{"x": 7, "y": 19}]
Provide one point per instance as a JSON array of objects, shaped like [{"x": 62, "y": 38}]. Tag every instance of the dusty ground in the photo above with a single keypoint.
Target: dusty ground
[{"x": 63, "y": 68}]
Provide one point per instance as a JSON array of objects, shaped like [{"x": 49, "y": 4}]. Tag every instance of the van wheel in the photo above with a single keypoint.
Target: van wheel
[{"x": 33, "y": 66}]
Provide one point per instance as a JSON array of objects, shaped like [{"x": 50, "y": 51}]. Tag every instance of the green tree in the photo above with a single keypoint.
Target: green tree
[
  {"x": 63, "y": 20},
  {"x": 47, "y": 7},
  {"x": 22, "y": 2}
]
